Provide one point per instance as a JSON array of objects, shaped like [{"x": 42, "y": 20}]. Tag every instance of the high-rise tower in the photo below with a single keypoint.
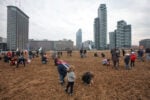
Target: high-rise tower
[
  {"x": 79, "y": 39},
  {"x": 121, "y": 37},
  {"x": 101, "y": 40},
  {"x": 17, "y": 28},
  {"x": 96, "y": 33}
]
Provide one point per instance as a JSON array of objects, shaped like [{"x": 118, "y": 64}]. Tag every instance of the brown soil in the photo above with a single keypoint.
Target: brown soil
[{"x": 39, "y": 81}]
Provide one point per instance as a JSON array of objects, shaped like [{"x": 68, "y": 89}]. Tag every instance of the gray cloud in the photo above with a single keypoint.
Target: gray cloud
[{"x": 58, "y": 19}]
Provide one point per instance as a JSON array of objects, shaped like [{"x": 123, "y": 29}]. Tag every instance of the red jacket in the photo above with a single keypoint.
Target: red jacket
[
  {"x": 9, "y": 54},
  {"x": 133, "y": 57}
]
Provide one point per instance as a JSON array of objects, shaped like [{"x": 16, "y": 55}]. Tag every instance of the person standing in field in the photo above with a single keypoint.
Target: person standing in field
[
  {"x": 141, "y": 54},
  {"x": 115, "y": 57},
  {"x": 71, "y": 78},
  {"x": 81, "y": 53},
  {"x": 127, "y": 60},
  {"x": 132, "y": 58}
]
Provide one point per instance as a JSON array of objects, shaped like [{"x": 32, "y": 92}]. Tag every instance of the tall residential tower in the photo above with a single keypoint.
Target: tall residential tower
[
  {"x": 121, "y": 37},
  {"x": 96, "y": 33},
  {"x": 79, "y": 39},
  {"x": 100, "y": 34},
  {"x": 17, "y": 28}
]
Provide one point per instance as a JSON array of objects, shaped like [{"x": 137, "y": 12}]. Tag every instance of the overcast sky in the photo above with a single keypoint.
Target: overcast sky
[{"x": 61, "y": 19}]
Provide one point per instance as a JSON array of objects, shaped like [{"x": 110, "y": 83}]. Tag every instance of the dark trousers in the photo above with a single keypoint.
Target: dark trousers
[
  {"x": 132, "y": 63},
  {"x": 116, "y": 64},
  {"x": 19, "y": 61},
  {"x": 70, "y": 84}
]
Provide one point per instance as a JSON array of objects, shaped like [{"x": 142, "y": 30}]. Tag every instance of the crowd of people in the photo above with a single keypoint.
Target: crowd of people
[
  {"x": 64, "y": 69},
  {"x": 14, "y": 57},
  {"x": 128, "y": 56}
]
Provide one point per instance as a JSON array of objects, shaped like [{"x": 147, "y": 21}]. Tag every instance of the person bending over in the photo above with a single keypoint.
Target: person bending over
[{"x": 87, "y": 78}]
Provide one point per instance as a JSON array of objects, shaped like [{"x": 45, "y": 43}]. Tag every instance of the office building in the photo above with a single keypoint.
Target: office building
[
  {"x": 121, "y": 37},
  {"x": 3, "y": 44},
  {"x": 145, "y": 43},
  {"x": 79, "y": 39},
  {"x": 112, "y": 39},
  {"x": 3, "y": 40},
  {"x": 88, "y": 45},
  {"x": 50, "y": 45},
  {"x": 44, "y": 44},
  {"x": 100, "y": 34},
  {"x": 63, "y": 45},
  {"x": 17, "y": 28},
  {"x": 96, "y": 33}
]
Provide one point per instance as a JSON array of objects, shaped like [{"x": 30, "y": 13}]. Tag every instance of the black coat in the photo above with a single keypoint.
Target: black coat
[{"x": 127, "y": 59}]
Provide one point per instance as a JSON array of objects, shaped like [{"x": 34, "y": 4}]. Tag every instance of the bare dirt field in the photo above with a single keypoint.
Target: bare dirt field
[{"x": 39, "y": 81}]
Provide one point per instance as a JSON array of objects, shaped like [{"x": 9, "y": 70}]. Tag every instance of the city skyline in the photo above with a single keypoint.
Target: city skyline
[{"x": 56, "y": 20}]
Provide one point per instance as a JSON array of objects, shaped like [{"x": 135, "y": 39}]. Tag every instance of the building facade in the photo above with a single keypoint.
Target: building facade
[
  {"x": 79, "y": 39},
  {"x": 102, "y": 15},
  {"x": 17, "y": 28},
  {"x": 100, "y": 28},
  {"x": 63, "y": 45},
  {"x": 45, "y": 45},
  {"x": 145, "y": 43},
  {"x": 121, "y": 37},
  {"x": 3, "y": 40},
  {"x": 112, "y": 39},
  {"x": 96, "y": 33},
  {"x": 128, "y": 36},
  {"x": 50, "y": 45},
  {"x": 3, "y": 46},
  {"x": 88, "y": 45}
]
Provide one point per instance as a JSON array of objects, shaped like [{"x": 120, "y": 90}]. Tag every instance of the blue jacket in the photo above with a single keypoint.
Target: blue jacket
[{"x": 62, "y": 68}]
